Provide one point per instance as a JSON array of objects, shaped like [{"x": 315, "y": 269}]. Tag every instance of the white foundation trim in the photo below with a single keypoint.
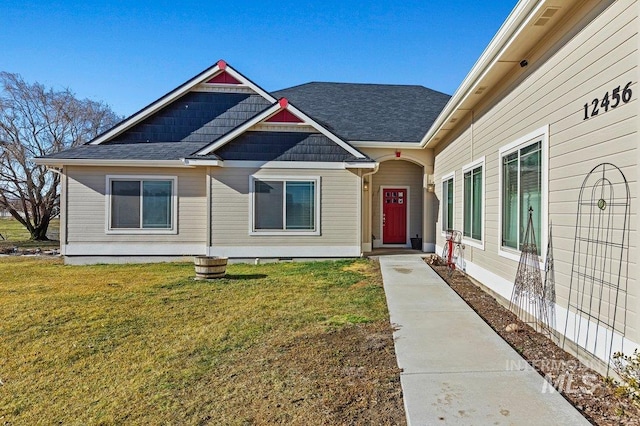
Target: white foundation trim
[
  {"x": 429, "y": 247},
  {"x": 285, "y": 251},
  {"x": 93, "y": 260},
  {"x": 134, "y": 249}
]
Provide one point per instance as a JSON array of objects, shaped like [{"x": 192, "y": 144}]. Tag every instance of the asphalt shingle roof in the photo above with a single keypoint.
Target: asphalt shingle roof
[
  {"x": 369, "y": 112},
  {"x": 132, "y": 151},
  {"x": 354, "y": 112}
]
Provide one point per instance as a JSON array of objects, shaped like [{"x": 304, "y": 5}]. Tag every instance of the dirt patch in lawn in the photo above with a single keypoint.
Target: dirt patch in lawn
[
  {"x": 587, "y": 390},
  {"x": 346, "y": 376}
]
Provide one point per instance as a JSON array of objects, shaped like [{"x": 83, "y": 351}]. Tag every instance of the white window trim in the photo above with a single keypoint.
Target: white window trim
[
  {"x": 446, "y": 177},
  {"x": 281, "y": 178},
  {"x": 480, "y": 162},
  {"x": 130, "y": 231},
  {"x": 541, "y": 134},
  {"x": 407, "y": 242}
]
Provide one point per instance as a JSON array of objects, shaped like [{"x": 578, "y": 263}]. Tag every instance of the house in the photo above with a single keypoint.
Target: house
[
  {"x": 545, "y": 122},
  {"x": 221, "y": 167}
]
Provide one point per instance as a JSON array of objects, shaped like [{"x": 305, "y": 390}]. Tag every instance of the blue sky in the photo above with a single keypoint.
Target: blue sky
[{"x": 129, "y": 53}]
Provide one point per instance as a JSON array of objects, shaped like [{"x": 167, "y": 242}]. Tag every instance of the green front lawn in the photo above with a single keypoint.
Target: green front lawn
[{"x": 147, "y": 344}]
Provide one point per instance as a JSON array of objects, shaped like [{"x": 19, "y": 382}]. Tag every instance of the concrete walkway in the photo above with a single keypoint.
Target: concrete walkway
[{"x": 456, "y": 369}]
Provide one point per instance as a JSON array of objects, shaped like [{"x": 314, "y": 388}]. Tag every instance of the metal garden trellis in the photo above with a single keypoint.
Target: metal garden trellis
[{"x": 598, "y": 287}]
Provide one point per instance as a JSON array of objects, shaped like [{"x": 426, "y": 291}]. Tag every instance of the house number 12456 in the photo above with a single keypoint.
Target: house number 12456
[{"x": 617, "y": 97}]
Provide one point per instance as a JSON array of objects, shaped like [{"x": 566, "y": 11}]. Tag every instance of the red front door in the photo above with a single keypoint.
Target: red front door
[{"x": 394, "y": 216}]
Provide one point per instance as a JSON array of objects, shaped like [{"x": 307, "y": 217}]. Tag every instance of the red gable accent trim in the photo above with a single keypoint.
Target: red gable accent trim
[
  {"x": 284, "y": 116},
  {"x": 223, "y": 78},
  {"x": 222, "y": 64}
]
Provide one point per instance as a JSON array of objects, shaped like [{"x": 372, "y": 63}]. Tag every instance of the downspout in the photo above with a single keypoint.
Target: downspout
[
  {"x": 375, "y": 170},
  {"x": 209, "y": 239}
]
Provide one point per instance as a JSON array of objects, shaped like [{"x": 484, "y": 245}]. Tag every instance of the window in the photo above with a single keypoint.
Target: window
[
  {"x": 523, "y": 188},
  {"x": 473, "y": 200},
  {"x": 447, "y": 202},
  {"x": 141, "y": 204},
  {"x": 285, "y": 205}
]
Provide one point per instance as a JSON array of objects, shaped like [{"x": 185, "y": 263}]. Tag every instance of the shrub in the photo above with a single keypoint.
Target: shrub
[{"x": 628, "y": 368}]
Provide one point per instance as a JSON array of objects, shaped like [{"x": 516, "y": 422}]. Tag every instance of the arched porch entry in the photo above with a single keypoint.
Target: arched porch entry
[{"x": 394, "y": 205}]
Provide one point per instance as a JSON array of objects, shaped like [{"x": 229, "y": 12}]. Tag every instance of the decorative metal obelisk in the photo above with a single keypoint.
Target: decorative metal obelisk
[{"x": 527, "y": 299}]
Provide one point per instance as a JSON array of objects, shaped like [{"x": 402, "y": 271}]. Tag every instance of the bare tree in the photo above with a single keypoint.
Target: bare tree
[{"x": 36, "y": 121}]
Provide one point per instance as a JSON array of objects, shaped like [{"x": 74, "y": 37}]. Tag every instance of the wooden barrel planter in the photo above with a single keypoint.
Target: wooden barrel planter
[{"x": 209, "y": 267}]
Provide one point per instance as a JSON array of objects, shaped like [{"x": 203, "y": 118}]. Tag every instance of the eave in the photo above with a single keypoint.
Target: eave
[
  {"x": 514, "y": 41},
  {"x": 61, "y": 162}
]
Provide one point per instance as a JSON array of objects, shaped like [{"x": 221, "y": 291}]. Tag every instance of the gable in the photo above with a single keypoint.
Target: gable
[
  {"x": 280, "y": 119},
  {"x": 218, "y": 80}
]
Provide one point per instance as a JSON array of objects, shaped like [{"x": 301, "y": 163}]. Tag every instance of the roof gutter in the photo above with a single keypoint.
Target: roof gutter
[
  {"x": 383, "y": 144},
  {"x": 360, "y": 165},
  {"x": 60, "y": 162},
  {"x": 191, "y": 162},
  {"x": 508, "y": 32}
]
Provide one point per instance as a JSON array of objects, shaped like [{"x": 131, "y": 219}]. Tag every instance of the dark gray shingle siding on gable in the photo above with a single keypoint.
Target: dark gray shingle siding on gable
[
  {"x": 195, "y": 117},
  {"x": 283, "y": 146},
  {"x": 369, "y": 112}
]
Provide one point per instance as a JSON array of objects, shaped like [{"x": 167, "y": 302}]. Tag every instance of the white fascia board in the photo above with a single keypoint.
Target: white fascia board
[
  {"x": 288, "y": 251},
  {"x": 239, "y": 130},
  {"x": 59, "y": 162},
  {"x": 524, "y": 11},
  {"x": 327, "y": 165},
  {"x": 346, "y": 146},
  {"x": 390, "y": 144},
  {"x": 202, "y": 162}
]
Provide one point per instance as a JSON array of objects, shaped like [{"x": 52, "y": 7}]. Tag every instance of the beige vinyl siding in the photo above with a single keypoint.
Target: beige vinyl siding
[
  {"x": 448, "y": 161},
  {"x": 86, "y": 205},
  {"x": 339, "y": 211},
  {"x": 399, "y": 173},
  {"x": 602, "y": 55}
]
